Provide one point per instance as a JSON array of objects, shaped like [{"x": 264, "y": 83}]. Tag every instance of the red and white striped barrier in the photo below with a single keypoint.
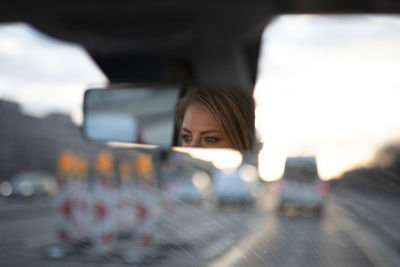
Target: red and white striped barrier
[
  {"x": 103, "y": 220},
  {"x": 126, "y": 208},
  {"x": 104, "y": 205}
]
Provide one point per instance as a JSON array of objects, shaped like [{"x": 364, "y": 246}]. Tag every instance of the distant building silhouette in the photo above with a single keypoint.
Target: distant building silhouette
[{"x": 29, "y": 143}]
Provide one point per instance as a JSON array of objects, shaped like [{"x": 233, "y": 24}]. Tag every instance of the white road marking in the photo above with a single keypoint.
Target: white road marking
[
  {"x": 265, "y": 229},
  {"x": 218, "y": 247}
]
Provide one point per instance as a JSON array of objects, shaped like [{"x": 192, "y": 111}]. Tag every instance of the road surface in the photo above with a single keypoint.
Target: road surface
[{"x": 204, "y": 235}]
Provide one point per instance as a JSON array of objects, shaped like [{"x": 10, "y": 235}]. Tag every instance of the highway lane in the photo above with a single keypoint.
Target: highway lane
[
  {"x": 198, "y": 235},
  {"x": 298, "y": 241}
]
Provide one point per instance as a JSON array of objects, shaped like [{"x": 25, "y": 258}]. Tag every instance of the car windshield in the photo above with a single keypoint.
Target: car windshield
[
  {"x": 300, "y": 174},
  {"x": 327, "y": 111},
  {"x": 300, "y": 169}
]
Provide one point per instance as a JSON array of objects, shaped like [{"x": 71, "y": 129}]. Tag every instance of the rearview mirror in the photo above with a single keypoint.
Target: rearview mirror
[{"x": 131, "y": 113}]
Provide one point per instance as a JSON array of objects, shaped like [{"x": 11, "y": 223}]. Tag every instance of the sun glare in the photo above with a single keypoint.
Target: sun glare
[{"x": 330, "y": 90}]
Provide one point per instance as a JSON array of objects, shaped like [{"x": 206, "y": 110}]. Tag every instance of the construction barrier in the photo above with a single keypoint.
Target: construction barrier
[
  {"x": 147, "y": 200},
  {"x": 68, "y": 226},
  {"x": 126, "y": 212},
  {"x": 105, "y": 201},
  {"x": 104, "y": 204}
]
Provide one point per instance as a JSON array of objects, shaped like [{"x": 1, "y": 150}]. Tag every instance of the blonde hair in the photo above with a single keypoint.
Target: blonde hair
[{"x": 233, "y": 111}]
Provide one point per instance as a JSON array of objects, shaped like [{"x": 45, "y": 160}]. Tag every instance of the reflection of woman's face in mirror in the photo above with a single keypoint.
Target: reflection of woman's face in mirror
[
  {"x": 216, "y": 119},
  {"x": 200, "y": 129}
]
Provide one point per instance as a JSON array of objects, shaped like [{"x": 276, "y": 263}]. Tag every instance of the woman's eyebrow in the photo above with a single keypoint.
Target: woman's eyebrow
[
  {"x": 186, "y": 130},
  {"x": 209, "y": 131},
  {"x": 202, "y": 132}
]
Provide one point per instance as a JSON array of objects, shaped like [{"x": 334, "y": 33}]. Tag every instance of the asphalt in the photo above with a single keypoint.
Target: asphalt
[{"x": 345, "y": 234}]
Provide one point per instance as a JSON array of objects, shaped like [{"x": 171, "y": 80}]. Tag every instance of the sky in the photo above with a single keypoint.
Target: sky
[
  {"x": 44, "y": 75},
  {"x": 328, "y": 86}
]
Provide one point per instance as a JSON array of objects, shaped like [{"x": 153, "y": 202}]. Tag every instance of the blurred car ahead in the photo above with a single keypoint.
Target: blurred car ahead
[
  {"x": 300, "y": 189},
  {"x": 33, "y": 183},
  {"x": 185, "y": 191},
  {"x": 231, "y": 188}
]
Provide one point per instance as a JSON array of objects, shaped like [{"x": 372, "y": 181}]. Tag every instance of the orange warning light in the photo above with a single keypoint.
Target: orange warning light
[{"x": 104, "y": 162}]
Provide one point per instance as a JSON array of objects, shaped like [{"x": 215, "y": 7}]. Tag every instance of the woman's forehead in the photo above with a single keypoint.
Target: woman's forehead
[{"x": 198, "y": 118}]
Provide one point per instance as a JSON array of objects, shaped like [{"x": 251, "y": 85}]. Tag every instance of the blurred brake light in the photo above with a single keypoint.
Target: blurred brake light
[{"x": 323, "y": 188}]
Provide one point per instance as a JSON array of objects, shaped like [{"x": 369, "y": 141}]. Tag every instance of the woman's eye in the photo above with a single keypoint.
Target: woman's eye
[
  {"x": 210, "y": 140},
  {"x": 186, "y": 138}
]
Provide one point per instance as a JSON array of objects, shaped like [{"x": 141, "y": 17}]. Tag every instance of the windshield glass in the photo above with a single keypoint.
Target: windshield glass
[{"x": 327, "y": 99}]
